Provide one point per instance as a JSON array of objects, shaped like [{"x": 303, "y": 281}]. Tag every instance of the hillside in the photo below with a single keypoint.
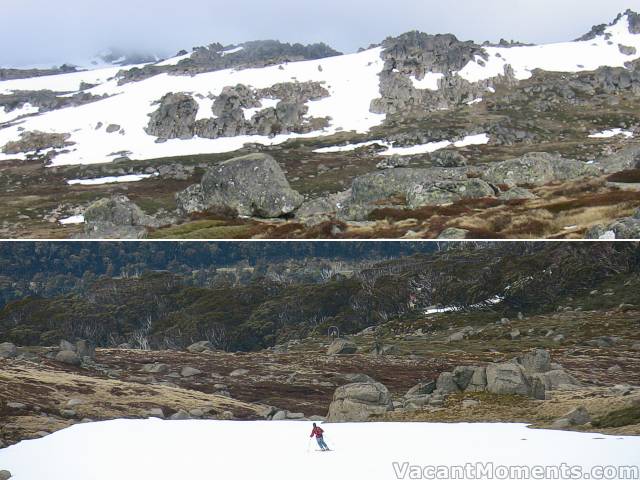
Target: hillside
[{"x": 413, "y": 137}]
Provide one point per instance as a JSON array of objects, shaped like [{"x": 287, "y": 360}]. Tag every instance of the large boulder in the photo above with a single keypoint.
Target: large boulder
[
  {"x": 507, "y": 378},
  {"x": 116, "y": 217},
  {"x": 478, "y": 382},
  {"x": 358, "y": 401},
  {"x": 342, "y": 346},
  {"x": 557, "y": 379},
  {"x": 85, "y": 349},
  {"x": 536, "y": 361},
  {"x": 68, "y": 357},
  {"x": 8, "y": 350},
  {"x": 449, "y": 191},
  {"x": 5, "y": 474},
  {"x": 199, "y": 347},
  {"x": 537, "y": 168},
  {"x": 446, "y": 383},
  {"x": 251, "y": 185},
  {"x": 422, "y": 388},
  {"x": 462, "y": 376}
]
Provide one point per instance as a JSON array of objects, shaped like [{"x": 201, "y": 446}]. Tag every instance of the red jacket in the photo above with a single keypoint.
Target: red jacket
[{"x": 317, "y": 431}]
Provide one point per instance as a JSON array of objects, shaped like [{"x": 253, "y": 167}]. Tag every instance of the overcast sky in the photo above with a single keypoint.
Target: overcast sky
[{"x": 52, "y": 32}]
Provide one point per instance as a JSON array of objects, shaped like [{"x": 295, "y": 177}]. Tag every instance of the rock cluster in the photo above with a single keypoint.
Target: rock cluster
[
  {"x": 75, "y": 354},
  {"x": 176, "y": 113},
  {"x": 34, "y": 141},
  {"x": 622, "y": 228}
]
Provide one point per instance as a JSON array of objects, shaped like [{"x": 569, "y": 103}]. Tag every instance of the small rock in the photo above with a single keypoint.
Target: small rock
[
  {"x": 468, "y": 402},
  {"x": 342, "y": 346},
  {"x": 16, "y": 405},
  {"x": 280, "y": 415},
  {"x": 614, "y": 369},
  {"x": 155, "y": 368},
  {"x": 196, "y": 412},
  {"x": 5, "y": 475},
  {"x": 155, "y": 413},
  {"x": 68, "y": 413},
  {"x": 199, "y": 347},
  {"x": 238, "y": 372},
  {"x": 180, "y": 415},
  {"x": 74, "y": 402},
  {"x": 8, "y": 350},
  {"x": 515, "y": 334},
  {"x": 226, "y": 415},
  {"x": 190, "y": 372}
]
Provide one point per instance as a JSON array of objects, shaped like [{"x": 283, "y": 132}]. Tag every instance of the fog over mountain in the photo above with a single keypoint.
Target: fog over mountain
[{"x": 73, "y": 31}]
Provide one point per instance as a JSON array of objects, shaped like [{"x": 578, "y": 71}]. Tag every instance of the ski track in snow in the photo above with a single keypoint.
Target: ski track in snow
[
  {"x": 352, "y": 81},
  {"x": 199, "y": 449}
]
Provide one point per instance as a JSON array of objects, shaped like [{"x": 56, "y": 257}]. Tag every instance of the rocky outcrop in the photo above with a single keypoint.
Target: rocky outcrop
[
  {"x": 441, "y": 193},
  {"x": 342, "y": 346},
  {"x": 174, "y": 118},
  {"x": 199, "y": 347},
  {"x": 356, "y": 402},
  {"x": 116, "y": 217},
  {"x": 322, "y": 209},
  {"x": 34, "y": 141},
  {"x": 627, "y": 158},
  {"x": 537, "y": 169},
  {"x": 252, "y": 185},
  {"x": 215, "y": 57}
]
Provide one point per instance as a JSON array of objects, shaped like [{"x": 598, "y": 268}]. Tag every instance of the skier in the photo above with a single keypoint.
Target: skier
[{"x": 317, "y": 432}]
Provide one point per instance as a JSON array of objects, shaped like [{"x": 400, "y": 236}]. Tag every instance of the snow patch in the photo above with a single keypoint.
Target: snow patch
[
  {"x": 612, "y": 133},
  {"x": 74, "y": 219},
  {"x": 143, "y": 449},
  {"x": 429, "y": 82},
  {"x": 117, "y": 179},
  {"x": 26, "y": 109}
]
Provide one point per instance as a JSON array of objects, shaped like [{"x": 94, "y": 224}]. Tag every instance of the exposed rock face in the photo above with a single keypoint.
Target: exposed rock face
[
  {"x": 286, "y": 117},
  {"x": 252, "y": 185},
  {"x": 415, "y": 54},
  {"x": 537, "y": 169},
  {"x": 246, "y": 55},
  {"x": 627, "y": 158},
  {"x": 116, "y": 217},
  {"x": 34, "y": 141},
  {"x": 358, "y": 401},
  {"x": 342, "y": 346},
  {"x": 174, "y": 118}
]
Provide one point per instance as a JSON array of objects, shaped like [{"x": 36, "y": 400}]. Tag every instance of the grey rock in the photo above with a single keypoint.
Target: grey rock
[
  {"x": 174, "y": 118},
  {"x": 156, "y": 413},
  {"x": 626, "y": 158},
  {"x": 342, "y": 346},
  {"x": 5, "y": 474},
  {"x": 190, "y": 372},
  {"x": 359, "y": 401},
  {"x": 556, "y": 379},
  {"x": 239, "y": 372},
  {"x": 68, "y": 357},
  {"x": 448, "y": 158},
  {"x": 112, "y": 128},
  {"x": 507, "y": 378},
  {"x": 16, "y": 405},
  {"x": 8, "y": 350},
  {"x": 180, "y": 415},
  {"x": 318, "y": 210},
  {"x": 469, "y": 403},
  {"x": 536, "y": 361},
  {"x": 422, "y": 388},
  {"x": 393, "y": 161},
  {"x": 66, "y": 345},
  {"x": 251, "y": 185},
  {"x": 68, "y": 413},
  {"x": 85, "y": 349},
  {"x": 537, "y": 168},
  {"x": 478, "y": 381},
  {"x": 446, "y": 383},
  {"x": 116, "y": 217},
  {"x": 199, "y": 347},
  {"x": 155, "y": 368},
  {"x": 74, "y": 402},
  {"x": 448, "y": 191},
  {"x": 453, "y": 233},
  {"x": 462, "y": 376},
  {"x": 35, "y": 141}
]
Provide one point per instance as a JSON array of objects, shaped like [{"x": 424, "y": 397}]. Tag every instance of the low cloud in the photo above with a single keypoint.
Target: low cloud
[{"x": 50, "y": 33}]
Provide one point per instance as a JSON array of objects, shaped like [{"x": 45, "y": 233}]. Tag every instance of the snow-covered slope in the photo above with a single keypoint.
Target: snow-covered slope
[
  {"x": 192, "y": 449},
  {"x": 352, "y": 81}
]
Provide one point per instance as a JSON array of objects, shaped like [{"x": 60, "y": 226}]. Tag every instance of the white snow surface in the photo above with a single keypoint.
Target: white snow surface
[
  {"x": 429, "y": 82},
  {"x": 115, "y": 179},
  {"x": 72, "y": 220},
  {"x": 352, "y": 81},
  {"x": 480, "y": 139},
  {"x": 612, "y": 133},
  {"x": 198, "y": 449},
  {"x": 26, "y": 109},
  {"x": 557, "y": 57}
]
